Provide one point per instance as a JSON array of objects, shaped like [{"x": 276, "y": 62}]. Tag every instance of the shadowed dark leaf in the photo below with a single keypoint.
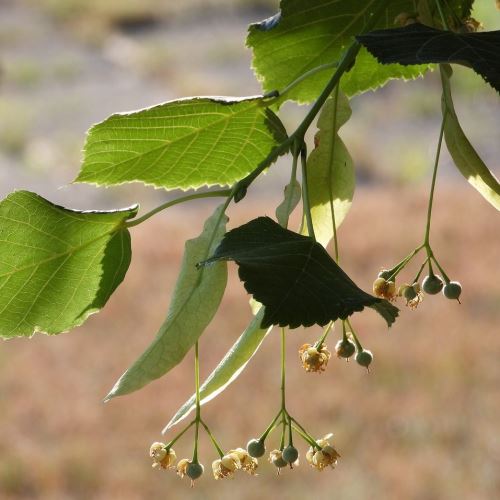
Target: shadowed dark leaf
[
  {"x": 419, "y": 44},
  {"x": 293, "y": 276}
]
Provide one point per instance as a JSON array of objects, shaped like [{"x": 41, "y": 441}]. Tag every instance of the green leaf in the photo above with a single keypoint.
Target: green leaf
[
  {"x": 196, "y": 298},
  {"x": 292, "y": 276},
  {"x": 464, "y": 155},
  {"x": 330, "y": 171},
  {"x": 57, "y": 266},
  {"x": 309, "y": 33},
  {"x": 182, "y": 144},
  {"x": 291, "y": 198},
  {"x": 228, "y": 370},
  {"x": 417, "y": 44}
]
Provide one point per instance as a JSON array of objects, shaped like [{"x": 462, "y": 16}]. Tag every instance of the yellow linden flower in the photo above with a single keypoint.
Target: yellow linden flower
[
  {"x": 225, "y": 466},
  {"x": 324, "y": 457},
  {"x": 182, "y": 466},
  {"x": 246, "y": 462},
  {"x": 162, "y": 458},
  {"x": 384, "y": 289},
  {"x": 314, "y": 359}
]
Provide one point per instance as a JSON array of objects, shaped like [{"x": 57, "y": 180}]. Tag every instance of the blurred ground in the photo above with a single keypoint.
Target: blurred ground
[{"x": 423, "y": 425}]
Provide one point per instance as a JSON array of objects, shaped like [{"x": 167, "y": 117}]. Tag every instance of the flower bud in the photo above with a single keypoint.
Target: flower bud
[
  {"x": 345, "y": 348},
  {"x": 364, "y": 358},
  {"x": 290, "y": 454}
]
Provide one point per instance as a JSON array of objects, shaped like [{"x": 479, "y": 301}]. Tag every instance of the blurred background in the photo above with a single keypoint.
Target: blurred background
[{"x": 423, "y": 425}]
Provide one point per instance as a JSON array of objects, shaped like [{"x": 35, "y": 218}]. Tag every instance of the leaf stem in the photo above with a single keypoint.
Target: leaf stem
[
  {"x": 293, "y": 178},
  {"x": 305, "y": 434},
  {"x": 445, "y": 276},
  {"x": 277, "y": 95},
  {"x": 417, "y": 276},
  {"x": 176, "y": 438},
  {"x": 283, "y": 370},
  {"x": 212, "y": 438},
  {"x": 359, "y": 347},
  {"x": 305, "y": 192},
  {"x": 433, "y": 185},
  {"x": 344, "y": 65},
  {"x": 441, "y": 15},
  {"x": 271, "y": 426},
  {"x": 171, "y": 203},
  {"x": 399, "y": 267},
  {"x": 198, "y": 407},
  {"x": 330, "y": 194},
  {"x": 326, "y": 332}
]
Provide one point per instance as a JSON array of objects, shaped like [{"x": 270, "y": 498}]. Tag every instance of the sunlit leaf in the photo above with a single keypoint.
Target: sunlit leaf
[
  {"x": 228, "y": 370},
  {"x": 57, "y": 266},
  {"x": 417, "y": 44},
  {"x": 182, "y": 144},
  {"x": 330, "y": 171},
  {"x": 293, "y": 276},
  {"x": 306, "y": 34},
  {"x": 464, "y": 155},
  {"x": 195, "y": 300}
]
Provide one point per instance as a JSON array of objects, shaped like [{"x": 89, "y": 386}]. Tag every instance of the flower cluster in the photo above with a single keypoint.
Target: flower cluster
[{"x": 314, "y": 358}]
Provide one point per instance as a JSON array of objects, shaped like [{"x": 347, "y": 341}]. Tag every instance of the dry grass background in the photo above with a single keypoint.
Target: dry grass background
[{"x": 422, "y": 426}]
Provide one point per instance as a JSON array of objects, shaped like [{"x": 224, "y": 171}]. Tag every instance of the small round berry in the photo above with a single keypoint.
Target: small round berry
[
  {"x": 290, "y": 454},
  {"x": 345, "y": 348},
  {"x": 432, "y": 284},
  {"x": 385, "y": 273},
  {"x": 452, "y": 290},
  {"x": 364, "y": 358},
  {"x": 409, "y": 293},
  {"x": 256, "y": 448},
  {"x": 194, "y": 470}
]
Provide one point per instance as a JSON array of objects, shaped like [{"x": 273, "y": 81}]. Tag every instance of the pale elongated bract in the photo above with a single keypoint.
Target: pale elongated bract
[{"x": 196, "y": 298}]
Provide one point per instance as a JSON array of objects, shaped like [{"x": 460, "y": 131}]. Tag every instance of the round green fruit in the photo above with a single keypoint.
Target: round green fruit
[
  {"x": 364, "y": 358},
  {"x": 385, "y": 273},
  {"x": 194, "y": 471},
  {"x": 345, "y": 348},
  {"x": 409, "y": 293},
  {"x": 452, "y": 290},
  {"x": 432, "y": 284},
  {"x": 290, "y": 454},
  {"x": 256, "y": 448}
]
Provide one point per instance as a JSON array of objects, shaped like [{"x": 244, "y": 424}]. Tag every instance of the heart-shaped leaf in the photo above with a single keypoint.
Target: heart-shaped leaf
[
  {"x": 57, "y": 266},
  {"x": 418, "y": 44},
  {"x": 293, "y": 276},
  {"x": 307, "y": 34},
  {"x": 187, "y": 143}
]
